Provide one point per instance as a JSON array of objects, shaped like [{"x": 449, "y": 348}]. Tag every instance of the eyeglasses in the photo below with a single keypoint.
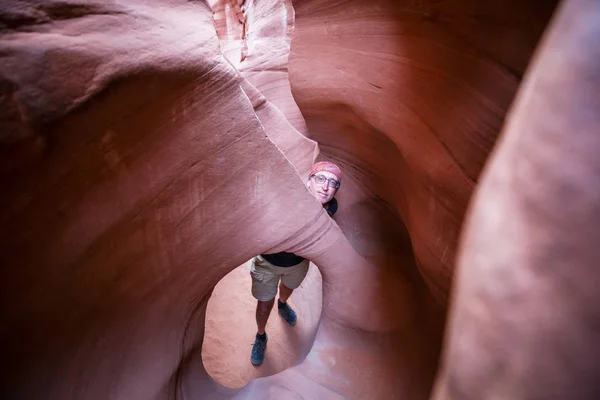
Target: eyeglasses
[{"x": 320, "y": 179}]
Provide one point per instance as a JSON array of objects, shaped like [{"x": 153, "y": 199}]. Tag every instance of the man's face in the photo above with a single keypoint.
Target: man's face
[{"x": 322, "y": 191}]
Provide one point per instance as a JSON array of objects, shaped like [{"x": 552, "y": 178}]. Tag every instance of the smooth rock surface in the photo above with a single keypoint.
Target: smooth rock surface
[
  {"x": 149, "y": 148},
  {"x": 525, "y": 313},
  {"x": 410, "y": 97}
]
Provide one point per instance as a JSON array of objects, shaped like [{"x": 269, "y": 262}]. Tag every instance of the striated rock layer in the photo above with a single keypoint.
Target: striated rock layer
[
  {"x": 142, "y": 161},
  {"x": 410, "y": 96}
]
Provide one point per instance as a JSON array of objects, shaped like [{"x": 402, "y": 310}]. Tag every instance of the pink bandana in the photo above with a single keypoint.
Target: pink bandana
[{"x": 328, "y": 167}]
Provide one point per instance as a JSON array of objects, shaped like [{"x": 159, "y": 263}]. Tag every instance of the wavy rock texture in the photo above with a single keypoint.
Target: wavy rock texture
[
  {"x": 410, "y": 96},
  {"x": 145, "y": 146}
]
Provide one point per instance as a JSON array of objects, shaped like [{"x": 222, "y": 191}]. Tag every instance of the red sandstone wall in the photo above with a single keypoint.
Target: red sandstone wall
[
  {"x": 410, "y": 96},
  {"x": 139, "y": 168}
]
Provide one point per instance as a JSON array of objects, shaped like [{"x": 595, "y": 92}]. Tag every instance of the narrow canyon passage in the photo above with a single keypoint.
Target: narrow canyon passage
[{"x": 149, "y": 149}]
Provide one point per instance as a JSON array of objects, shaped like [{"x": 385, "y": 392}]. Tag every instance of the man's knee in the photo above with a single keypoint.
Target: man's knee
[{"x": 264, "y": 307}]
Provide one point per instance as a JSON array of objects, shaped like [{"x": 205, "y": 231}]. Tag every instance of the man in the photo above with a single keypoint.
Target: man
[{"x": 268, "y": 269}]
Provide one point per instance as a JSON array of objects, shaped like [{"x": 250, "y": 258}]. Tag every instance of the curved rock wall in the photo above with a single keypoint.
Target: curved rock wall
[
  {"x": 140, "y": 166},
  {"x": 525, "y": 312},
  {"x": 145, "y": 173},
  {"x": 410, "y": 96},
  {"x": 255, "y": 38}
]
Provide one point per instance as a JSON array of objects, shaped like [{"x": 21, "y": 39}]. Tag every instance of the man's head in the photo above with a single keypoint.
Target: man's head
[{"x": 323, "y": 180}]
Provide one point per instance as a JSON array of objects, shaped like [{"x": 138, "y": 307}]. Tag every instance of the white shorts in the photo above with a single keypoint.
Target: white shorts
[{"x": 265, "y": 277}]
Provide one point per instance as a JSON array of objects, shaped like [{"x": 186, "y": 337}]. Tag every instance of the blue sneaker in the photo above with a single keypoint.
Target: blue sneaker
[
  {"x": 258, "y": 350},
  {"x": 286, "y": 312}
]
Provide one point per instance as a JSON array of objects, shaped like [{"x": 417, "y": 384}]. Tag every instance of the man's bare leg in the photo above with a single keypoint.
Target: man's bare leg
[
  {"x": 284, "y": 292},
  {"x": 263, "y": 310},
  {"x": 284, "y": 309}
]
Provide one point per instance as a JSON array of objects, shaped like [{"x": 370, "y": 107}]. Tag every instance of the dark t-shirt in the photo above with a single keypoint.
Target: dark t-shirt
[{"x": 285, "y": 259}]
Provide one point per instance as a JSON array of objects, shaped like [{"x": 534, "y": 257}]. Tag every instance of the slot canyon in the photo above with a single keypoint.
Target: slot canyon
[{"x": 149, "y": 149}]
